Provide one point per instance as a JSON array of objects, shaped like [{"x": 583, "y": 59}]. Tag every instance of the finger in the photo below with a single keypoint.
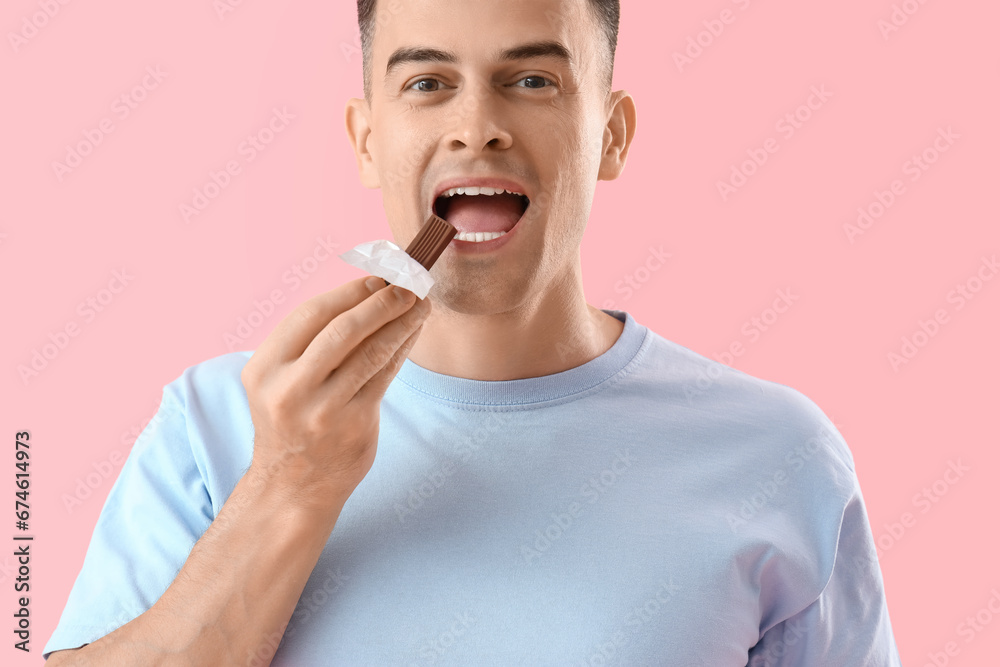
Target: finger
[
  {"x": 346, "y": 331},
  {"x": 294, "y": 333},
  {"x": 372, "y": 356},
  {"x": 375, "y": 388}
]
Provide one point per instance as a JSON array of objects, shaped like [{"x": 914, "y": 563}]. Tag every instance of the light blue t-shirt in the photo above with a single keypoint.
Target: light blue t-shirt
[{"x": 649, "y": 507}]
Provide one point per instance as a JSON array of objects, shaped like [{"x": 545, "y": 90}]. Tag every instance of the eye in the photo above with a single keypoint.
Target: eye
[
  {"x": 425, "y": 90},
  {"x": 539, "y": 82},
  {"x": 537, "y": 79}
]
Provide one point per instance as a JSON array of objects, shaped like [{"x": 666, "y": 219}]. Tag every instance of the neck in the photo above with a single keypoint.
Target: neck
[{"x": 553, "y": 331}]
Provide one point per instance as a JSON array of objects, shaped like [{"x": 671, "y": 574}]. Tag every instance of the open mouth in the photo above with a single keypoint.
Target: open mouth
[{"x": 481, "y": 213}]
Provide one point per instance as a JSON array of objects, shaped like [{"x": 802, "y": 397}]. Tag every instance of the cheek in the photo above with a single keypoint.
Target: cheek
[
  {"x": 570, "y": 157},
  {"x": 401, "y": 156},
  {"x": 569, "y": 142},
  {"x": 395, "y": 135}
]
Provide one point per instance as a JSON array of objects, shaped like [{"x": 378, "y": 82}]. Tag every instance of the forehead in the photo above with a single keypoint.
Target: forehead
[{"x": 480, "y": 29}]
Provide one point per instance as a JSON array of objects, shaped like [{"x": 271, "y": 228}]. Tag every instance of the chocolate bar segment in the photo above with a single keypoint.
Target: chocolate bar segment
[{"x": 430, "y": 241}]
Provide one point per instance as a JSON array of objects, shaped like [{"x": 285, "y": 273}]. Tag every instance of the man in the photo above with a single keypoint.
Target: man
[{"x": 555, "y": 484}]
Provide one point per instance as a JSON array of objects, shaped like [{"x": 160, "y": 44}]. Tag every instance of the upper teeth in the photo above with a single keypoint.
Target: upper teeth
[{"x": 477, "y": 191}]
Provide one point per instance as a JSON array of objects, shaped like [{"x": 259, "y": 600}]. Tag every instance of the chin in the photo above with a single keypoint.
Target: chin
[{"x": 478, "y": 297}]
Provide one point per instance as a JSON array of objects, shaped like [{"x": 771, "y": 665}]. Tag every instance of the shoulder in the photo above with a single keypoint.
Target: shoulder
[
  {"x": 204, "y": 417},
  {"x": 784, "y": 475},
  {"x": 215, "y": 379},
  {"x": 209, "y": 403},
  {"x": 769, "y": 419}
]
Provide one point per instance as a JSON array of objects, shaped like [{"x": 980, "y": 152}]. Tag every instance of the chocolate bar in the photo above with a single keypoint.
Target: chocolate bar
[{"x": 430, "y": 242}]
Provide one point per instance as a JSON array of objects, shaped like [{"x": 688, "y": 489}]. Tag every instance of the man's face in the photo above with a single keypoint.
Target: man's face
[{"x": 537, "y": 121}]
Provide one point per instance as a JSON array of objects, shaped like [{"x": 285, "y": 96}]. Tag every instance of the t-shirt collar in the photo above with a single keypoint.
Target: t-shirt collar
[{"x": 529, "y": 391}]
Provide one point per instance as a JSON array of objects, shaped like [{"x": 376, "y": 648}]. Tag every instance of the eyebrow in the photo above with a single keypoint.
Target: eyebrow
[{"x": 417, "y": 54}]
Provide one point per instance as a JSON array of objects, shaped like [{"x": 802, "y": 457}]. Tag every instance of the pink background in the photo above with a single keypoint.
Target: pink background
[{"x": 61, "y": 241}]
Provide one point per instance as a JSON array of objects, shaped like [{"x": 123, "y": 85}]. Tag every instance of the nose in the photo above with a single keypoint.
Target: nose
[{"x": 478, "y": 122}]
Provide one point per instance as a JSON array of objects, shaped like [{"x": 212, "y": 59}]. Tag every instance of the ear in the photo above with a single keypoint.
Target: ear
[
  {"x": 618, "y": 135},
  {"x": 358, "y": 122}
]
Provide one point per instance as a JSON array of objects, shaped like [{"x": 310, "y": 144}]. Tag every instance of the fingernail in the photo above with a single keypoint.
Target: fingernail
[
  {"x": 402, "y": 294},
  {"x": 374, "y": 284}
]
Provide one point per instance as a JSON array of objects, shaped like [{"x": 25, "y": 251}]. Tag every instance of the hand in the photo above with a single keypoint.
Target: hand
[{"x": 315, "y": 385}]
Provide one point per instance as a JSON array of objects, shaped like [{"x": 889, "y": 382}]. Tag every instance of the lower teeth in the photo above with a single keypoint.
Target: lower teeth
[{"x": 478, "y": 237}]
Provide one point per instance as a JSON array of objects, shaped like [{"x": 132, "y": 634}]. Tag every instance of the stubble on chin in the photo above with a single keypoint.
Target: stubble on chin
[{"x": 477, "y": 292}]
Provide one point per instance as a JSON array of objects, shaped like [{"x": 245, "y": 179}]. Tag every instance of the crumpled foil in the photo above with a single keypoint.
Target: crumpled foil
[{"x": 387, "y": 260}]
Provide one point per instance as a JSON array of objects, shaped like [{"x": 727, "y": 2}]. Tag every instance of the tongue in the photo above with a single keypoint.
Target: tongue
[{"x": 483, "y": 213}]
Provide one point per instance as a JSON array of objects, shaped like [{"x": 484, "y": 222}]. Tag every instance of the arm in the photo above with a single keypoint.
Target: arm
[
  {"x": 848, "y": 624},
  {"x": 235, "y": 593},
  {"x": 314, "y": 388}
]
